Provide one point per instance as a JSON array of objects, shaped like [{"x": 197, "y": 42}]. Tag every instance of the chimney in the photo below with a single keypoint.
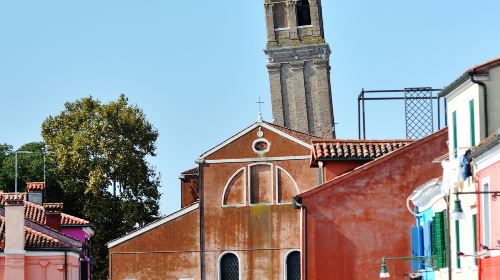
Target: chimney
[
  {"x": 14, "y": 236},
  {"x": 53, "y": 215},
  {"x": 35, "y": 192},
  {"x": 14, "y": 222}
]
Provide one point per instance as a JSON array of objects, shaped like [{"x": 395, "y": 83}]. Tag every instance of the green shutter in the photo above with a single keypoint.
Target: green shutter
[
  {"x": 472, "y": 124},
  {"x": 474, "y": 230},
  {"x": 439, "y": 239},
  {"x": 455, "y": 144},
  {"x": 446, "y": 237},
  {"x": 457, "y": 236}
]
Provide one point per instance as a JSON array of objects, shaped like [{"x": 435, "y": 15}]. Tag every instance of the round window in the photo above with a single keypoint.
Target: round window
[{"x": 261, "y": 146}]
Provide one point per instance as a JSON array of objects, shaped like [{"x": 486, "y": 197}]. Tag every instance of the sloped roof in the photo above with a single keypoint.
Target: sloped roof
[
  {"x": 480, "y": 69},
  {"x": 333, "y": 149},
  {"x": 36, "y": 213},
  {"x": 296, "y": 136},
  {"x": 192, "y": 171},
  {"x": 294, "y": 133},
  {"x": 154, "y": 224},
  {"x": 40, "y": 237},
  {"x": 485, "y": 145},
  {"x": 372, "y": 164}
]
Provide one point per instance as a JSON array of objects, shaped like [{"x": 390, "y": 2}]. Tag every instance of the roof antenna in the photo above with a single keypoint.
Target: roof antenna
[{"x": 259, "y": 117}]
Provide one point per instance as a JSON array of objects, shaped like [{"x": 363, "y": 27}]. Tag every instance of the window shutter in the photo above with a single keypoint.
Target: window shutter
[
  {"x": 415, "y": 249},
  {"x": 427, "y": 239},
  {"x": 472, "y": 123},
  {"x": 439, "y": 239},
  {"x": 474, "y": 231},
  {"x": 455, "y": 143}
]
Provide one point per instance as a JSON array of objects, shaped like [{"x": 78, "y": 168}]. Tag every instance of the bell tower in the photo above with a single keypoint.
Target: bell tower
[{"x": 299, "y": 67}]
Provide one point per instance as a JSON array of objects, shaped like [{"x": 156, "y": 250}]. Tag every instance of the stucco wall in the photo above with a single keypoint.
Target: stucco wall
[
  {"x": 490, "y": 267},
  {"x": 44, "y": 266},
  {"x": 170, "y": 251},
  {"x": 260, "y": 235},
  {"x": 493, "y": 87},
  {"x": 459, "y": 103},
  {"x": 355, "y": 220}
]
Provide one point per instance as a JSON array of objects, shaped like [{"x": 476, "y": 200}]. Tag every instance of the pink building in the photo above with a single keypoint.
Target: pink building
[
  {"x": 39, "y": 241},
  {"x": 487, "y": 162}
]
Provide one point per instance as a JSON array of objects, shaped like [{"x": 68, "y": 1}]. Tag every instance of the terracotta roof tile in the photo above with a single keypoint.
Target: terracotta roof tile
[
  {"x": 33, "y": 239},
  {"x": 35, "y": 186},
  {"x": 332, "y": 149},
  {"x": 36, "y": 213},
  {"x": 192, "y": 171},
  {"x": 296, "y": 134}
]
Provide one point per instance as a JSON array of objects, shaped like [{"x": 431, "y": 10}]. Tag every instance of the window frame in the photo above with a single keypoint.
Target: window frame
[
  {"x": 244, "y": 188},
  {"x": 297, "y": 14},
  {"x": 485, "y": 220},
  {"x": 276, "y": 183},
  {"x": 249, "y": 180},
  {"x": 219, "y": 268}
]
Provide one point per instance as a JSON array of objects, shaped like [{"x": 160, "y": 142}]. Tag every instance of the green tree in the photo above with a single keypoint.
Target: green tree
[
  {"x": 30, "y": 169},
  {"x": 101, "y": 154},
  {"x": 5, "y": 151}
]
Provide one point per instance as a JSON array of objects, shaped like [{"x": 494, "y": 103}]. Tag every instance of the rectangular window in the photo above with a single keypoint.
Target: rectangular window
[
  {"x": 280, "y": 14},
  {"x": 455, "y": 144},
  {"x": 474, "y": 234},
  {"x": 486, "y": 215},
  {"x": 472, "y": 124},
  {"x": 457, "y": 238}
]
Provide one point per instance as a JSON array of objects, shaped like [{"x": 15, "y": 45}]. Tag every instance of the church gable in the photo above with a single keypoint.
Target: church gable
[{"x": 262, "y": 140}]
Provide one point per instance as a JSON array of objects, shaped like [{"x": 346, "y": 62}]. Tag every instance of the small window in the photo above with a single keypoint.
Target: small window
[
  {"x": 303, "y": 13},
  {"x": 229, "y": 267},
  {"x": 293, "y": 266},
  {"x": 261, "y": 146},
  {"x": 280, "y": 13}
]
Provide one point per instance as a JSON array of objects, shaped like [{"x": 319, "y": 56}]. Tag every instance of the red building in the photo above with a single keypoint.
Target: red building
[
  {"x": 355, "y": 219},
  {"x": 487, "y": 162}
]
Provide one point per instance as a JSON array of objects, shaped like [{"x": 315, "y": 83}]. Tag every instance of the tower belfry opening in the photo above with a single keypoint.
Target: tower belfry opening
[{"x": 299, "y": 66}]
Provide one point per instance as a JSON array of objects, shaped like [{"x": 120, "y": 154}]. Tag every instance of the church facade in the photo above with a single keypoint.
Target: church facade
[{"x": 243, "y": 226}]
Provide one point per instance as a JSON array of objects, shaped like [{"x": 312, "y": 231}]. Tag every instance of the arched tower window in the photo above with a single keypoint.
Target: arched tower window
[
  {"x": 229, "y": 267},
  {"x": 303, "y": 13},
  {"x": 280, "y": 14},
  {"x": 293, "y": 266}
]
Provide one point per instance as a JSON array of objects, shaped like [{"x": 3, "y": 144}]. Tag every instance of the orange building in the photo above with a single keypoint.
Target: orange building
[
  {"x": 360, "y": 216},
  {"x": 245, "y": 225}
]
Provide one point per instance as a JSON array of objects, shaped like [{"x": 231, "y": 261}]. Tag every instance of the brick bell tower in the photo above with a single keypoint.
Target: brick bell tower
[{"x": 299, "y": 67}]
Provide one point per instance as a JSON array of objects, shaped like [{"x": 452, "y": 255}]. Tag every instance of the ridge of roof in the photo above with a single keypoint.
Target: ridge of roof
[
  {"x": 191, "y": 171},
  {"x": 372, "y": 163},
  {"x": 294, "y": 133}
]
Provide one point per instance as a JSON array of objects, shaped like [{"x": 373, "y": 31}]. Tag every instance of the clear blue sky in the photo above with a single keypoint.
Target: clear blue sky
[{"x": 197, "y": 67}]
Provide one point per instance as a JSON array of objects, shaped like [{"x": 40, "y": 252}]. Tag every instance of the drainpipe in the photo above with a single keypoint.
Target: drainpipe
[
  {"x": 485, "y": 90},
  {"x": 200, "y": 162},
  {"x": 297, "y": 204}
]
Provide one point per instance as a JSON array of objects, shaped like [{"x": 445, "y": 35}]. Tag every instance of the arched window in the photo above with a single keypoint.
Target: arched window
[
  {"x": 303, "y": 13},
  {"x": 229, "y": 267},
  {"x": 293, "y": 266},
  {"x": 280, "y": 12}
]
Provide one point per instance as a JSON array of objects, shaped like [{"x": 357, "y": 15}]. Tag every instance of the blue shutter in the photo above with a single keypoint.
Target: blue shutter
[{"x": 415, "y": 246}]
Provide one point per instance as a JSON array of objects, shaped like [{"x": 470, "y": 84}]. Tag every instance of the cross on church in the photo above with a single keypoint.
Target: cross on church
[{"x": 259, "y": 118}]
